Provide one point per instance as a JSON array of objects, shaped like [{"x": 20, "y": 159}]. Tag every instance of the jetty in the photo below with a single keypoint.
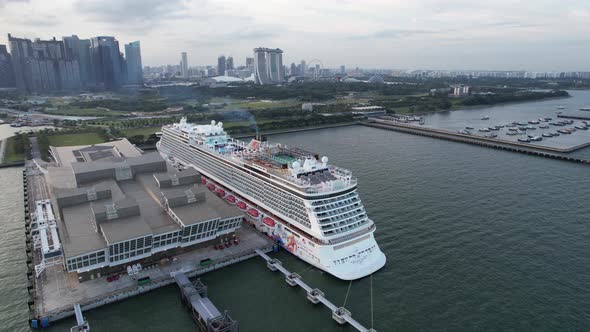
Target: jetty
[
  {"x": 495, "y": 143},
  {"x": 574, "y": 117},
  {"x": 203, "y": 311},
  {"x": 340, "y": 314}
]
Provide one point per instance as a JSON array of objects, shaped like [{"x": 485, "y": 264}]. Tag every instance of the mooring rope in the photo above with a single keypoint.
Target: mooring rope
[{"x": 347, "y": 292}]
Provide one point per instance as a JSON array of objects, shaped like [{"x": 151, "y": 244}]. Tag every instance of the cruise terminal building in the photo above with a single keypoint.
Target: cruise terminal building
[{"x": 116, "y": 206}]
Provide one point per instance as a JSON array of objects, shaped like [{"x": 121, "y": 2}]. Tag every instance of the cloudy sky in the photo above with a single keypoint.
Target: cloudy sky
[{"x": 533, "y": 35}]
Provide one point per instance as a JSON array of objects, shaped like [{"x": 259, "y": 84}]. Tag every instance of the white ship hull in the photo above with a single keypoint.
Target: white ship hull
[{"x": 350, "y": 259}]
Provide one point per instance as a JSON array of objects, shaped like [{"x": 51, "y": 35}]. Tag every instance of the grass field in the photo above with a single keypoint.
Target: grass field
[
  {"x": 75, "y": 139},
  {"x": 145, "y": 131},
  {"x": 11, "y": 155}
]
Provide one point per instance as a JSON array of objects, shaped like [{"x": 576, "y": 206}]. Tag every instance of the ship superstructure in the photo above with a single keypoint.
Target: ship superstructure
[{"x": 307, "y": 205}]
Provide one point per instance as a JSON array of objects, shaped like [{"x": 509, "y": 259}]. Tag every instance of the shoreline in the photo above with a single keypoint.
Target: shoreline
[{"x": 479, "y": 107}]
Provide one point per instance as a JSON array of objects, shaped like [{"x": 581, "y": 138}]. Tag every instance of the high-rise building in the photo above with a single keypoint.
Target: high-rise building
[
  {"x": 221, "y": 66},
  {"x": 268, "y": 65},
  {"x": 133, "y": 62},
  {"x": 106, "y": 61},
  {"x": 294, "y": 69},
  {"x": 303, "y": 69},
  {"x": 6, "y": 69},
  {"x": 342, "y": 69},
  {"x": 229, "y": 64},
  {"x": 250, "y": 63},
  {"x": 184, "y": 65},
  {"x": 43, "y": 66},
  {"x": 79, "y": 50}
]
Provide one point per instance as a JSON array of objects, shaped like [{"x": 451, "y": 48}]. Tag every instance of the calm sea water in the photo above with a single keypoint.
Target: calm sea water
[{"x": 476, "y": 239}]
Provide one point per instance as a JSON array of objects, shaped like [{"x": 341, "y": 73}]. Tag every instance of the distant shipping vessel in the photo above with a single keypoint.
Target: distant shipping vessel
[{"x": 309, "y": 207}]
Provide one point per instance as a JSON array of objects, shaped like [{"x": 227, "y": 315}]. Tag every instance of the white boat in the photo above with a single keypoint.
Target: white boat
[
  {"x": 485, "y": 117},
  {"x": 318, "y": 213},
  {"x": 585, "y": 109}
]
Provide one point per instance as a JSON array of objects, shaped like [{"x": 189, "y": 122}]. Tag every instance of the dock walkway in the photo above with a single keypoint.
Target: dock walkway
[
  {"x": 203, "y": 311},
  {"x": 314, "y": 295}
]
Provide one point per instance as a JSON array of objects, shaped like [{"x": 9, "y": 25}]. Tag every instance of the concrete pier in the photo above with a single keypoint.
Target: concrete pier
[
  {"x": 339, "y": 314},
  {"x": 525, "y": 148}
]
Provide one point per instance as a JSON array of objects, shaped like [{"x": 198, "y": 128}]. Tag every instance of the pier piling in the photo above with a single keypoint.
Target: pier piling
[{"x": 314, "y": 295}]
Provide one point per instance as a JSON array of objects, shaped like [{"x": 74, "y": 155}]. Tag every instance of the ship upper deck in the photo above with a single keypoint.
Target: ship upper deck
[{"x": 302, "y": 169}]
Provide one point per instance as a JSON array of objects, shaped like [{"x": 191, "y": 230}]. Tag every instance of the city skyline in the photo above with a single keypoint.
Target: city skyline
[{"x": 449, "y": 35}]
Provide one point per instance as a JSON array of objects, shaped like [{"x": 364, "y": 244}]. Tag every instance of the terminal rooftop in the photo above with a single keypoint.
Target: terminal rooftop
[{"x": 118, "y": 205}]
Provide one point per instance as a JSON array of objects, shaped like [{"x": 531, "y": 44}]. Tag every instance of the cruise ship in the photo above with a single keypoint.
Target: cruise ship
[{"x": 309, "y": 207}]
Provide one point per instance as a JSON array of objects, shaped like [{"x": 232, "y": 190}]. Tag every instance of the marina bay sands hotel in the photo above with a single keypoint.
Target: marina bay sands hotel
[{"x": 268, "y": 65}]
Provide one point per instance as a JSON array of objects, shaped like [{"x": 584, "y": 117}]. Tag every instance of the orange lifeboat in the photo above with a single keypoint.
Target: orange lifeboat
[
  {"x": 268, "y": 222},
  {"x": 230, "y": 199},
  {"x": 203, "y": 180},
  {"x": 241, "y": 205},
  {"x": 211, "y": 186},
  {"x": 253, "y": 213},
  {"x": 220, "y": 192}
]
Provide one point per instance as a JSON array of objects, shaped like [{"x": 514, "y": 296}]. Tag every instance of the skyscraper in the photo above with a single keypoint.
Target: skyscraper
[
  {"x": 268, "y": 64},
  {"x": 133, "y": 59},
  {"x": 250, "y": 64},
  {"x": 303, "y": 69},
  {"x": 106, "y": 61},
  {"x": 293, "y": 69},
  {"x": 342, "y": 69},
  {"x": 184, "y": 65},
  {"x": 221, "y": 65},
  {"x": 43, "y": 66},
  {"x": 229, "y": 64},
  {"x": 6, "y": 69},
  {"x": 79, "y": 50},
  {"x": 21, "y": 49}
]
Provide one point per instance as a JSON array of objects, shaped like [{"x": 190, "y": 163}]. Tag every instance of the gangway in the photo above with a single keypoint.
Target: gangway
[
  {"x": 82, "y": 324},
  {"x": 203, "y": 311},
  {"x": 314, "y": 295},
  {"x": 46, "y": 238}
]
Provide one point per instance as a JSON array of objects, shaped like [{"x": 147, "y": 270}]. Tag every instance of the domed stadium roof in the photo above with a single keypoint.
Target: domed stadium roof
[{"x": 376, "y": 79}]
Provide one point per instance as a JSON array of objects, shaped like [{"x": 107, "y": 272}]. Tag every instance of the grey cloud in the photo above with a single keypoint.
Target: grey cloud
[
  {"x": 5, "y": 2},
  {"x": 35, "y": 20},
  {"x": 138, "y": 15},
  {"x": 233, "y": 37},
  {"x": 511, "y": 24},
  {"x": 397, "y": 33},
  {"x": 253, "y": 34}
]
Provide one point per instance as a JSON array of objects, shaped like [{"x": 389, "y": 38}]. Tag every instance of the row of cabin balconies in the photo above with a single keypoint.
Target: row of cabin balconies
[
  {"x": 346, "y": 220},
  {"x": 277, "y": 200},
  {"x": 345, "y": 228},
  {"x": 323, "y": 202},
  {"x": 339, "y": 208},
  {"x": 341, "y": 216}
]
